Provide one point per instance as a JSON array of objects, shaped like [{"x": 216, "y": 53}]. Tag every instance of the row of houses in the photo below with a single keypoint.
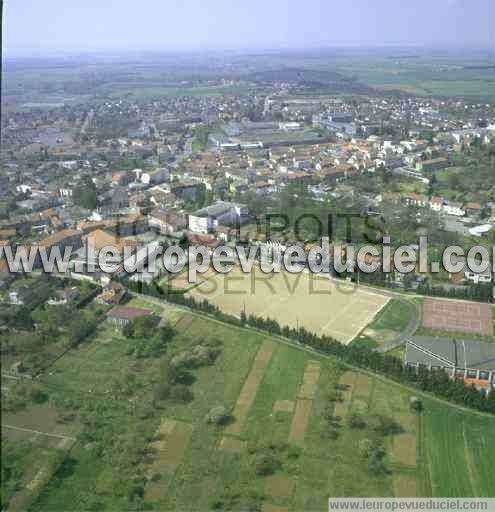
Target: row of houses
[{"x": 437, "y": 204}]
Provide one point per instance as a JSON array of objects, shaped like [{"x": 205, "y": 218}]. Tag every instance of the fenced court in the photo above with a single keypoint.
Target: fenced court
[
  {"x": 320, "y": 304},
  {"x": 468, "y": 317}
]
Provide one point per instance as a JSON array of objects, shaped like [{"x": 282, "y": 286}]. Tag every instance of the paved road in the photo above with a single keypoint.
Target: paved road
[{"x": 412, "y": 327}]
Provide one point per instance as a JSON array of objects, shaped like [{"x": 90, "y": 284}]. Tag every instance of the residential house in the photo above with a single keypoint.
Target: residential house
[
  {"x": 122, "y": 178},
  {"x": 453, "y": 208},
  {"x": 102, "y": 249},
  {"x": 413, "y": 199},
  {"x": 167, "y": 223},
  {"x": 67, "y": 239},
  {"x": 478, "y": 277},
  {"x": 436, "y": 203},
  {"x": 435, "y": 164},
  {"x": 481, "y": 231},
  {"x": 64, "y": 296},
  {"x": 113, "y": 294},
  {"x": 188, "y": 191},
  {"x": 473, "y": 209},
  {"x": 155, "y": 177}
]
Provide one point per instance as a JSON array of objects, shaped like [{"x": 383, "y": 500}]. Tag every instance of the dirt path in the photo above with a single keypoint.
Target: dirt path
[
  {"x": 250, "y": 387},
  {"x": 59, "y": 436}
]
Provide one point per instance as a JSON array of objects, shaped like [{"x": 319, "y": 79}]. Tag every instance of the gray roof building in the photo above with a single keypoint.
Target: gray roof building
[{"x": 429, "y": 351}]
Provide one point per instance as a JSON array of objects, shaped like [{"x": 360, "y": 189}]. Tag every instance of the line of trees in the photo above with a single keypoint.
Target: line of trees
[
  {"x": 477, "y": 292},
  {"x": 436, "y": 382}
]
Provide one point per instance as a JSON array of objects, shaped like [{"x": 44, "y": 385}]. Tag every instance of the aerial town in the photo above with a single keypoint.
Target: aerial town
[{"x": 140, "y": 372}]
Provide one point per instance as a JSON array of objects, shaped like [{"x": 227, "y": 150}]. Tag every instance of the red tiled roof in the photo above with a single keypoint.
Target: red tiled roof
[{"x": 126, "y": 313}]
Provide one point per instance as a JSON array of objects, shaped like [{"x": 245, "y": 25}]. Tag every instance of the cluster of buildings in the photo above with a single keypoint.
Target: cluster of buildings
[{"x": 192, "y": 166}]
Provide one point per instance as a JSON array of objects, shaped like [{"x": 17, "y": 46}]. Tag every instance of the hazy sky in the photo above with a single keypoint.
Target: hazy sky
[{"x": 47, "y": 25}]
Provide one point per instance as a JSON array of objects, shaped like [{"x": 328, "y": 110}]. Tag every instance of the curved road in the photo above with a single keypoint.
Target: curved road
[{"x": 412, "y": 326}]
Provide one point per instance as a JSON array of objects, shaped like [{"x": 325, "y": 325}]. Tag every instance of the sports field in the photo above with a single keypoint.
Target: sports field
[
  {"x": 458, "y": 316},
  {"x": 314, "y": 301}
]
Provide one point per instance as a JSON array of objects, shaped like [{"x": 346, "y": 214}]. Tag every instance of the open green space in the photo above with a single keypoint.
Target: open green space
[
  {"x": 470, "y": 77},
  {"x": 108, "y": 398},
  {"x": 387, "y": 325}
]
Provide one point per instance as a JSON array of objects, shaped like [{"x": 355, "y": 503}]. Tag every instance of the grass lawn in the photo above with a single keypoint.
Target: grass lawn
[
  {"x": 451, "y": 451},
  {"x": 387, "y": 325},
  {"x": 21, "y": 462}
]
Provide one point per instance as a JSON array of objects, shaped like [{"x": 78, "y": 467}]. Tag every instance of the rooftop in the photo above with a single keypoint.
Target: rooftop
[
  {"x": 475, "y": 355},
  {"x": 126, "y": 313}
]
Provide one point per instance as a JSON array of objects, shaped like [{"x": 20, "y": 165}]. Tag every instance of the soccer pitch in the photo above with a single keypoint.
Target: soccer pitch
[{"x": 314, "y": 301}]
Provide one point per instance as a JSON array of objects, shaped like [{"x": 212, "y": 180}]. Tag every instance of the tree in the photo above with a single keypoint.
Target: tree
[
  {"x": 161, "y": 392},
  {"x": 141, "y": 327},
  {"x": 48, "y": 320},
  {"x": 387, "y": 426},
  {"x": 181, "y": 394},
  {"x": 416, "y": 404},
  {"x": 356, "y": 421},
  {"x": 85, "y": 195},
  {"x": 218, "y": 416},
  {"x": 433, "y": 185},
  {"x": 267, "y": 464}
]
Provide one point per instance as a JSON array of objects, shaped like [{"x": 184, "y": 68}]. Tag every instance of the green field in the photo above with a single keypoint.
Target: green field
[
  {"x": 462, "y": 76},
  {"x": 147, "y": 92},
  {"x": 444, "y": 452},
  {"x": 468, "y": 469},
  {"x": 387, "y": 325}
]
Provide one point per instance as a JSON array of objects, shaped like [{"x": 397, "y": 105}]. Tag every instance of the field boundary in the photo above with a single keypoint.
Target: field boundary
[{"x": 21, "y": 429}]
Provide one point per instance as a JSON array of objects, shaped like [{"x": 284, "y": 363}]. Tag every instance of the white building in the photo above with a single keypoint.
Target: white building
[
  {"x": 207, "y": 219},
  {"x": 478, "y": 278},
  {"x": 155, "y": 177},
  {"x": 451, "y": 208},
  {"x": 481, "y": 231},
  {"x": 290, "y": 126}
]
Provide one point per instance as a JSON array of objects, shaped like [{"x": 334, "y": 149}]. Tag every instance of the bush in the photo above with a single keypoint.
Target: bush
[
  {"x": 335, "y": 396},
  {"x": 294, "y": 452},
  {"x": 356, "y": 421},
  {"x": 376, "y": 465},
  {"x": 181, "y": 394},
  {"x": 161, "y": 392},
  {"x": 199, "y": 356},
  {"x": 38, "y": 396},
  {"x": 179, "y": 375},
  {"x": 218, "y": 416},
  {"x": 366, "y": 448},
  {"x": 416, "y": 404},
  {"x": 267, "y": 464},
  {"x": 387, "y": 426},
  {"x": 330, "y": 433}
]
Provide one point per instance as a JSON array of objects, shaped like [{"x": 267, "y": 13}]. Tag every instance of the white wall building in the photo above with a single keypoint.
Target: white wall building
[{"x": 207, "y": 219}]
